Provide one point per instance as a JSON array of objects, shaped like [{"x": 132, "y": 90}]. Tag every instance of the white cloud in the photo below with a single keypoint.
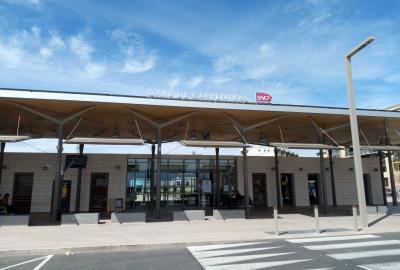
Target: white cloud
[
  {"x": 80, "y": 47},
  {"x": 174, "y": 81},
  {"x": 195, "y": 81},
  {"x": 138, "y": 58},
  {"x": 133, "y": 65},
  {"x": 56, "y": 41},
  {"x": 93, "y": 71},
  {"x": 394, "y": 78},
  {"x": 46, "y": 52},
  {"x": 11, "y": 56}
]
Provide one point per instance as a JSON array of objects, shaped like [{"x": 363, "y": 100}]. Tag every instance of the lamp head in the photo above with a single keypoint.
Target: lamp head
[{"x": 360, "y": 46}]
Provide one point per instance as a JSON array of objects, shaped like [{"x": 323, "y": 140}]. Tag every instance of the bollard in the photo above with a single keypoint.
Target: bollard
[
  {"x": 276, "y": 220},
  {"x": 316, "y": 216},
  {"x": 355, "y": 218}
]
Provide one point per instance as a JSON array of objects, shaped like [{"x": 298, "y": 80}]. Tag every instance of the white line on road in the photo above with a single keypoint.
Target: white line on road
[
  {"x": 211, "y": 247},
  {"x": 225, "y": 260},
  {"x": 43, "y": 262},
  {"x": 354, "y": 245},
  {"x": 336, "y": 238},
  {"x": 365, "y": 254},
  {"x": 381, "y": 266},
  {"x": 45, "y": 258},
  {"x": 253, "y": 266},
  {"x": 215, "y": 253}
]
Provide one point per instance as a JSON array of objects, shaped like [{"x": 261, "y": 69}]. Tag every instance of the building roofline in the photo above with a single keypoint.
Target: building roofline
[{"x": 188, "y": 103}]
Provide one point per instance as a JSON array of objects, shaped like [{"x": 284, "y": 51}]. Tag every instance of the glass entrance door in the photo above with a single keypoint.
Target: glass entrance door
[
  {"x": 313, "y": 188},
  {"x": 287, "y": 189}
]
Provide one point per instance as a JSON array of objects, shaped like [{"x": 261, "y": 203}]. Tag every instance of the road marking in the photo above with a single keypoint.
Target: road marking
[
  {"x": 253, "y": 266},
  {"x": 202, "y": 248},
  {"x": 328, "y": 239},
  {"x": 225, "y": 260},
  {"x": 45, "y": 260},
  {"x": 354, "y": 245},
  {"x": 381, "y": 266},
  {"x": 215, "y": 253},
  {"x": 365, "y": 254}
]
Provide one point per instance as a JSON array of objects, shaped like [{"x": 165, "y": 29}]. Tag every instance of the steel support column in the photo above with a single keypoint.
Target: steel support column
[
  {"x": 323, "y": 180},
  {"x": 2, "y": 147},
  {"x": 58, "y": 177},
  {"x": 158, "y": 181},
  {"x": 334, "y": 202},
  {"x": 217, "y": 181},
  {"x": 245, "y": 182},
  {"x": 277, "y": 181},
  {"x": 381, "y": 160},
  {"x": 392, "y": 182},
  {"x": 78, "y": 183},
  {"x": 153, "y": 150}
]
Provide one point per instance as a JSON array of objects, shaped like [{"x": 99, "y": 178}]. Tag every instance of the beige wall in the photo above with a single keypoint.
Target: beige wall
[{"x": 116, "y": 166}]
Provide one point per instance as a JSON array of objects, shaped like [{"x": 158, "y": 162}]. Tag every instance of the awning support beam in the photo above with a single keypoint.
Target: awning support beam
[
  {"x": 391, "y": 171},
  {"x": 320, "y": 136},
  {"x": 333, "y": 187},
  {"x": 382, "y": 160},
  {"x": 2, "y": 147},
  {"x": 277, "y": 180},
  {"x": 245, "y": 182},
  {"x": 78, "y": 183},
  {"x": 51, "y": 118}
]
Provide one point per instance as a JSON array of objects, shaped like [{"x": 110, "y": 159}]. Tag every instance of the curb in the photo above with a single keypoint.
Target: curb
[{"x": 138, "y": 247}]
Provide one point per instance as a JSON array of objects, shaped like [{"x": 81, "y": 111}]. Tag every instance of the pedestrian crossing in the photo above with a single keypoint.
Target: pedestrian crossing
[
  {"x": 365, "y": 251},
  {"x": 249, "y": 256}
]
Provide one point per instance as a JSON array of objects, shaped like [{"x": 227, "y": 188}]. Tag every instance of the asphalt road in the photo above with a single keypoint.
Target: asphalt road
[{"x": 374, "y": 252}]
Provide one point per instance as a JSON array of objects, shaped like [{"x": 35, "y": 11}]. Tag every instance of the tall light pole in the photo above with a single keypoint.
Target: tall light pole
[{"x": 354, "y": 132}]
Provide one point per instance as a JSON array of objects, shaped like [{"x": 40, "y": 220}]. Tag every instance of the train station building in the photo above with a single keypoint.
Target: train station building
[{"x": 157, "y": 183}]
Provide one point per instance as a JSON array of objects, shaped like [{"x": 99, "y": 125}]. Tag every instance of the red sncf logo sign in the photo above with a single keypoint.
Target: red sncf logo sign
[{"x": 263, "y": 98}]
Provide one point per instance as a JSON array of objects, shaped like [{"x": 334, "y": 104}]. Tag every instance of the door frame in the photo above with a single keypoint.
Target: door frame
[
  {"x": 265, "y": 185},
  {"x": 106, "y": 174},
  {"x": 14, "y": 184}
]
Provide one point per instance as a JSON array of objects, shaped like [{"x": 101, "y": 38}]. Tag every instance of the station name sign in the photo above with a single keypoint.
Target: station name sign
[{"x": 202, "y": 96}]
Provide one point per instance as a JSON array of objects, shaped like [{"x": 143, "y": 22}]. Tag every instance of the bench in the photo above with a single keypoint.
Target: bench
[
  {"x": 223, "y": 214},
  {"x": 126, "y": 217},
  {"x": 189, "y": 215},
  {"x": 80, "y": 219},
  {"x": 15, "y": 220}
]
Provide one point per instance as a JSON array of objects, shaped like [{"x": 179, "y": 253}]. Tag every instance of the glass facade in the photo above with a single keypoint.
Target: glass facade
[{"x": 186, "y": 183}]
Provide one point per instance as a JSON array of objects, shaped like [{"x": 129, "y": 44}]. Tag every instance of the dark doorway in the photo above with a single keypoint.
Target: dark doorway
[
  {"x": 65, "y": 196},
  {"x": 259, "y": 190},
  {"x": 367, "y": 189},
  {"x": 287, "y": 189},
  {"x": 22, "y": 193},
  {"x": 313, "y": 188},
  {"x": 98, "y": 193}
]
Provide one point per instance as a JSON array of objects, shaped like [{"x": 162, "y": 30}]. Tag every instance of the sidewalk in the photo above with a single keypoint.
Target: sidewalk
[{"x": 57, "y": 239}]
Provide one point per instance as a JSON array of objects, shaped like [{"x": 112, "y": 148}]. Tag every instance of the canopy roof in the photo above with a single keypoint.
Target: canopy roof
[
  {"x": 111, "y": 141},
  {"x": 103, "y": 116},
  {"x": 305, "y": 146}
]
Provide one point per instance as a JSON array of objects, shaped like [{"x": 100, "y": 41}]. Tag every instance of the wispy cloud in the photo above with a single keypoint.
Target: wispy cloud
[{"x": 138, "y": 58}]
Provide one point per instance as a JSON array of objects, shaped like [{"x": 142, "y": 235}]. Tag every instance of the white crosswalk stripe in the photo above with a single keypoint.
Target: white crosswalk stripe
[
  {"x": 253, "y": 266},
  {"x": 224, "y": 260},
  {"x": 215, "y": 253},
  {"x": 249, "y": 256},
  {"x": 332, "y": 238},
  {"x": 365, "y": 254},
  {"x": 351, "y": 243},
  {"x": 211, "y": 247},
  {"x": 354, "y": 245},
  {"x": 381, "y": 266}
]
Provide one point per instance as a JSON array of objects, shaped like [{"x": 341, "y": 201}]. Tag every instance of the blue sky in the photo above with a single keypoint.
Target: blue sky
[{"x": 291, "y": 49}]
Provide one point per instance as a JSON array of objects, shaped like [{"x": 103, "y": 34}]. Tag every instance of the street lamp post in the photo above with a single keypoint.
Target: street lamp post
[{"x": 354, "y": 132}]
